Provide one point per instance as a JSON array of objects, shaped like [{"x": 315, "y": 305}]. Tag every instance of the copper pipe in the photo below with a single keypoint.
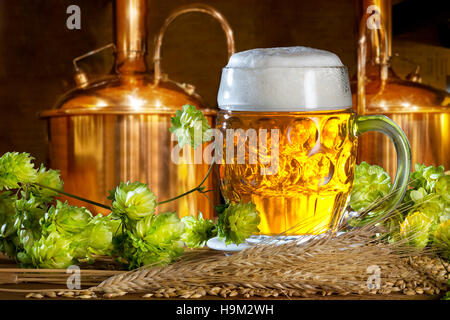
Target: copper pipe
[
  {"x": 81, "y": 78},
  {"x": 131, "y": 35},
  {"x": 385, "y": 10},
  {"x": 362, "y": 52},
  {"x": 91, "y": 53},
  {"x": 198, "y": 7}
]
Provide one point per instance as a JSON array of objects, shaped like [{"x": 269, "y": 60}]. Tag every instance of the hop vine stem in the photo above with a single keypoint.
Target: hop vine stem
[
  {"x": 101, "y": 205},
  {"x": 199, "y": 188}
]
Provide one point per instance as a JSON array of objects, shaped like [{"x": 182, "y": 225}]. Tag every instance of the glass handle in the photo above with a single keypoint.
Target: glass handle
[{"x": 388, "y": 127}]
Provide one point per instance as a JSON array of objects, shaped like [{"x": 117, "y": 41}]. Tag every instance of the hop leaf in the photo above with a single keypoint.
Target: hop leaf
[
  {"x": 16, "y": 168},
  {"x": 133, "y": 200},
  {"x": 441, "y": 239},
  {"x": 238, "y": 222},
  {"x": 416, "y": 229},
  {"x": 371, "y": 182},
  {"x": 198, "y": 231},
  {"x": 190, "y": 127}
]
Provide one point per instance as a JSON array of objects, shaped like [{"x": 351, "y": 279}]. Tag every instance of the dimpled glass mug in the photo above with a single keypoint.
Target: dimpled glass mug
[{"x": 290, "y": 138}]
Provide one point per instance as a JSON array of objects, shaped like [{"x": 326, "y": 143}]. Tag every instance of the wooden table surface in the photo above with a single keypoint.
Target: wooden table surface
[{"x": 6, "y": 263}]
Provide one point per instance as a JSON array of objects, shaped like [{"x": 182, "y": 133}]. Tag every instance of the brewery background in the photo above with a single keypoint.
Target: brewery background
[{"x": 37, "y": 49}]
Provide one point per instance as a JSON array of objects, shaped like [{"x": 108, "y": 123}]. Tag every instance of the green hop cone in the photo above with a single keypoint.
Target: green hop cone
[
  {"x": 443, "y": 188},
  {"x": 238, "y": 222},
  {"x": 66, "y": 219},
  {"x": 392, "y": 225},
  {"x": 101, "y": 239},
  {"x": 160, "y": 229},
  {"x": 133, "y": 200},
  {"x": 371, "y": 182},
  {"x": 419, "y": 195},
  {"x": 114, "y": 225},
  {"x": 28, "y": 235},
  {"x": 441, "y": 239},
  {"x": 49, "y": 178},
  {"x": 155, "y": 239},
  {"x": 136, "y": 252},
  {"x": 51, "y": 252},
  {"x": 96, "y": 239},
  {"x": 8, "y": 232},
  {"x": 102, "y": 231},
  {"x": 6, "y": 207},
  {"x": 445, "y": 215},
  {"x": 426, "y": 177},
  {"x": 190, "y": 127},
  {"x": 16, "y": 168},
  {"x": 415, "y": 229},
  {"x": 198, "y": 231},
  {"x": 28, "y": 213},
  {"x": 79, "y": 245},
  {"x": 430, "y": 204}
]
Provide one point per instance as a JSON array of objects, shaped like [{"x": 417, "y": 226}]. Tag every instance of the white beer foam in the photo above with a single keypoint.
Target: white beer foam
[
  {"x": 284, "y": 79},
  {"x": 284, "y": 57}
]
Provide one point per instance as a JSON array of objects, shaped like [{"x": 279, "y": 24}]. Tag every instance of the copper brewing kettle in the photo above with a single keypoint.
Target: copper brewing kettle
[
  {"x": 423, "y": 112},
  {"x": 117, "y": 128}
]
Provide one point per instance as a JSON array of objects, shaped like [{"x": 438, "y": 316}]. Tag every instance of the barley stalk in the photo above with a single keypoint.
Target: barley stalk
[
  {"x": 330, "y": 265},
  {"x": 326, "y": 264}
]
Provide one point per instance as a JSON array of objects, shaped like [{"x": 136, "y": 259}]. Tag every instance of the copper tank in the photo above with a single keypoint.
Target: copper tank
[
  {"x": 117, "y": 128},
  {"x": 421, "y": 111}
]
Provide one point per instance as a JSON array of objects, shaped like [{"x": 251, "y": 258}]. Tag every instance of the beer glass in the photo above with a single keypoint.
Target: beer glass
[{"x": 290, "y": 138}]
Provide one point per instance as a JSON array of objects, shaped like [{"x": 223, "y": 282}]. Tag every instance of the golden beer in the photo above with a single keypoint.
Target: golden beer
[
  {"x": 290, "y": 138},
  {"x": 316, "y": 159}
]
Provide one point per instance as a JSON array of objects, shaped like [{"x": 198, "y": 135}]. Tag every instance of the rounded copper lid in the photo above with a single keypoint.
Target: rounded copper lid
[
  {"x": 119, "y": 94},
  {"x": 395, "y": 95}
]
